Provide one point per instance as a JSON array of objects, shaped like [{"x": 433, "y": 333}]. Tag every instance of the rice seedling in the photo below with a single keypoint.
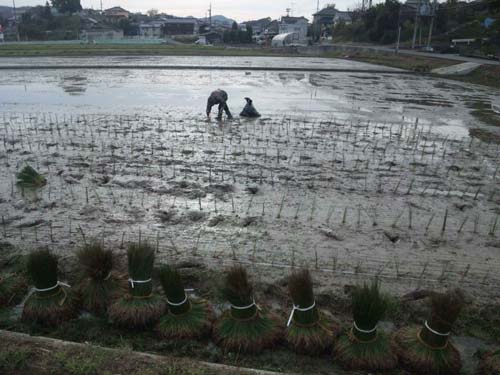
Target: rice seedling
[
  {"x": 308, "y": 329},
  {"x": 99, "y": 283},
  {"x": 140, "y": 307},
  {"x": 428, "y": 349},
  {"x": 51, "y": 302},
  {"x": 30, "y": 178},
  {"x": 12, "y": 288},
  {"x": 490, "y": 364},
  {"x": 186, "y": 318},
  {"x": 364, "y": 347},
  {"x": 245, "y": 327}
]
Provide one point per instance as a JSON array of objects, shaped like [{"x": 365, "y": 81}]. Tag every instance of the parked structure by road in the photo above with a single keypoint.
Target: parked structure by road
[{"x": 295, "y": 25}]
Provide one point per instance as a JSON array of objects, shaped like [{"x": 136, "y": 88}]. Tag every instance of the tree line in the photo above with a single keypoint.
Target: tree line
[{"x": 452, "y": 19}]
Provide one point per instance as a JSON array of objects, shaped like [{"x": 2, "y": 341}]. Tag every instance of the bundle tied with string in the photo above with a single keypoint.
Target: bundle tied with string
[
  {"x": 139, "y": 307},
  {"x": 30, "y": 178},
  {"x": 490, "y": 363},
  {"x": 186, "y": 317},
  {"x": 50, "y": 302},
  {"x": 99, "y": 284},
  {"x": 428, "y": 349},
  {"x": 245, "y": 327},
  {"x": 13, "y": 287},
  {"x": 308, "y": 329},
  {"x": 364, "y": 346}
]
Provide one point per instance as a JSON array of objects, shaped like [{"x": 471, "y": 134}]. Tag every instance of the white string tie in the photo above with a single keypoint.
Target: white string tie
[
  {"x": 297, "y": 308},
  {"x": 180, "y": 303},
  {"x": 52, "y": 287},
  {"x": 364, "y": 330},
  {"x": 133, "y": 282},
  {"x": 34, "y": 289},
  {"x": 436, "y": 332},
  {"x": 244, "y": 307}
]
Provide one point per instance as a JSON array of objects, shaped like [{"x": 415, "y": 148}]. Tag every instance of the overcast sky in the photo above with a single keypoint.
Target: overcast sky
[{"x": 240, "y": 10}]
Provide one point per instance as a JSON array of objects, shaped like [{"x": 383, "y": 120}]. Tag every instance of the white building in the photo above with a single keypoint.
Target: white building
[{"x": 295, "y": 25}]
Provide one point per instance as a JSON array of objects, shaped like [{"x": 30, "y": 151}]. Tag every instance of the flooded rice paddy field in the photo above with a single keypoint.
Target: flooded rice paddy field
[{"x": 353, "y": 175}]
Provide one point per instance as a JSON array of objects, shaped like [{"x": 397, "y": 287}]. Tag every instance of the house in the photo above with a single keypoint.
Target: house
[
  {"x": 1, "y": 33},
  {"x": 325, "y": 20},
  {"x": 153, "y": 29},
  {"x": 181, "y": 26},
  {"x": 116, "y": 14},
  {"x": 172, "y": 26},
  {"x": 211, "y": 37},
  {"x": 297, "y": 26},
  {"x": 258, "y": 26},
  {"x": 88, "y": 23}
]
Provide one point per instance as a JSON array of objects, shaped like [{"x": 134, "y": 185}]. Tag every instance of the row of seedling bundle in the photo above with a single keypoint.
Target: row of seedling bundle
[{"x": 244, "y": 327}]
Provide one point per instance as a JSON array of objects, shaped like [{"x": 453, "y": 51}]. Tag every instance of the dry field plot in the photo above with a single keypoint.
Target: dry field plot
[{"x": 349, "y": 199}]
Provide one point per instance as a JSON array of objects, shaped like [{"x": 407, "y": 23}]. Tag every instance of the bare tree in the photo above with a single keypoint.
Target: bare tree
[{"x": 152, "y": 12}]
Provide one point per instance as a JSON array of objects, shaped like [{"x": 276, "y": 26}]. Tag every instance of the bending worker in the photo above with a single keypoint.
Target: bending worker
[{"x": 219, "y": 97}]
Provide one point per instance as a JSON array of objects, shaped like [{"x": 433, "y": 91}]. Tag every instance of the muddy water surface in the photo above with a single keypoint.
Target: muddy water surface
[{"x": 351, "y": 174}]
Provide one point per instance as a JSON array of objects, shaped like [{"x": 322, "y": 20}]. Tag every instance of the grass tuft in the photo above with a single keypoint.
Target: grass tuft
[
  {"x": 237, "y": 289},
  {"x": 244, "y": 330},
  {"x": 358, "y": 350},
  {"x": 99, "y": 284},
  {"x": 140, "y": 307},
  {"x": 190, "y": 320},
  {"x": 12, "y": 288},
  {"x": 490, "y": 364},
  {"x": 48, "y": 307},
  {"x": 30, "y": 178},
  {"x": 420, "y": 359},
  {"x": 421, "y": 350},
  {"x": 368, "y": 305},
  {"x": 310, "y": 332}
]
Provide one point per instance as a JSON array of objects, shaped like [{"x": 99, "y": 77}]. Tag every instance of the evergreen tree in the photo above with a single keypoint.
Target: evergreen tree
[{"x": 67, "y": 6}]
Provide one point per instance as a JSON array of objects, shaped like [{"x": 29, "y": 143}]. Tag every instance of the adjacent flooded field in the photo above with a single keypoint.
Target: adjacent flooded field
[{"x": 353, "y": 175}]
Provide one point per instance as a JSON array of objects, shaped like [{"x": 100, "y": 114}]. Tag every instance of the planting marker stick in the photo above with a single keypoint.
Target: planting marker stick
[{"x": 444, "y": 222}]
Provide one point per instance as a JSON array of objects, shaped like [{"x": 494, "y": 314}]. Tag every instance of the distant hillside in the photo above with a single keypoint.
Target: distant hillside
[
  {"x": 6, "y": 12},
  {"x": 222, "y": 19}
]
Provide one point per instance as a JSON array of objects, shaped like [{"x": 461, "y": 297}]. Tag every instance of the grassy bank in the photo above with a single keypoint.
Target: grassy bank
[
  {"x": 86, "y": 50},
  {"x": 486, "y": 75},
  {"x": 414, "y": 63},
  {"x": 21, "y": 354}
]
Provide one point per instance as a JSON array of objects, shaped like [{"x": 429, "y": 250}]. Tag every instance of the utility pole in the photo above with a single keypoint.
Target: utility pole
[
  {"x": 399, "y": 30},
  {"x": 432, "y": 24},
  {"x": 416, "y": 24},
  {"x": 101, "y": 6},
  {"x": 210, "y": 16},
  {"x": 317, "y": 7},
  {"x": 15, "y": 20}
]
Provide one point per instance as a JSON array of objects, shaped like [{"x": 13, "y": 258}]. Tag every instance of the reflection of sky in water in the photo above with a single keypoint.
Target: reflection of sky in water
[{"x": 382, "y": 98}]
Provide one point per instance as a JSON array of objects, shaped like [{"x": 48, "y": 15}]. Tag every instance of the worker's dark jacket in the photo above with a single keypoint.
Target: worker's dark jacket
[{"x": 218, "y": 97}]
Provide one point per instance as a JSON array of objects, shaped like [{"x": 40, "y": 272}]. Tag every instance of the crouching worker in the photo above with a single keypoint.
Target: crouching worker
[
  {"x": 249, "y": 110},
  {"x": 219, "y": 97}
]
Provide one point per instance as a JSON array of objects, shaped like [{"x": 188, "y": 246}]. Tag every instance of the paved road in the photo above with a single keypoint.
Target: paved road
[{"x": 422, "y": 54}]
